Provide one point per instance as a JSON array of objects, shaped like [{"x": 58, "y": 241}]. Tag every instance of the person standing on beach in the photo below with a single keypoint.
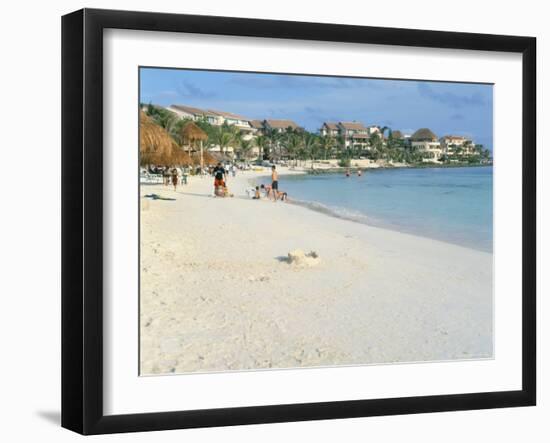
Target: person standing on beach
[
  {"x": 219, "y": 177},
  {"x": 274, "y": 183},
  {"x": 175, "y": 178}
]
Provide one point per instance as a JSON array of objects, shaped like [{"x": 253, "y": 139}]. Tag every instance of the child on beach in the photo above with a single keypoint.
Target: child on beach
[{"x": 257, "y": 193}]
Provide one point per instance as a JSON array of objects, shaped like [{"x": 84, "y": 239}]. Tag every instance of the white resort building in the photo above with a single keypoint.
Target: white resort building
[
  {"x": 329, "y": 129},
  {"x": 355, "y": 134},
  {"x": 280, "y": 125},
  {"x": 195, "y": 114},
  {"x": 426, "y": 141},
  {"x": 374, "y": 129},
  {"x": 457, "y": 144}
]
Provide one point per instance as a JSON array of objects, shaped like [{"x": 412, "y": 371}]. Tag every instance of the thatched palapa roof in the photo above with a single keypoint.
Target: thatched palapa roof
[
  {"x": 156, "y": 146},
  {"x": 424, "y": 134},
  {"x": 191, "y": 132}
]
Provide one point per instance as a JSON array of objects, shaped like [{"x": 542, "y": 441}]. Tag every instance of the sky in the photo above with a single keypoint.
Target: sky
[{"x": 446, "y": 108}]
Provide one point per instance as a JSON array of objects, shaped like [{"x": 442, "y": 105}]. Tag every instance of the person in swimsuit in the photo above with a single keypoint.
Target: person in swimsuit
[
  {"x": 266, "y": 189},
  {"x": 274, "y": 183},
  {"x": 282, "y": 195}
]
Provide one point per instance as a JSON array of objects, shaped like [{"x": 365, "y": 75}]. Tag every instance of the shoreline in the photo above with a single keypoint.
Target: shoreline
[
  {"x": 359, "y": 218},
  {"x": 218, "y": 293},
  {"x": 342, "y": 169}
]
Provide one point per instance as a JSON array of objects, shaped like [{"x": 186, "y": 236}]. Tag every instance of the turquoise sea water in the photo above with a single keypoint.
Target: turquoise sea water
[{"x": 449, "y": 204}]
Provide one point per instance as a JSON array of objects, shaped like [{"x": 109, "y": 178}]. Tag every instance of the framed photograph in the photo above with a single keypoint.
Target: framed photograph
[{"x": 269, "y": 221}]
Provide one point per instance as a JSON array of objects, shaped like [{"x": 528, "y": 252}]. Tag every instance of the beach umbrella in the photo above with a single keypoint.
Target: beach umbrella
[{"x": 156, "y": 146}]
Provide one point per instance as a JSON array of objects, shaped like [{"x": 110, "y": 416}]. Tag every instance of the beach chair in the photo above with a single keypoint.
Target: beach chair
[{"x": 150, "y": 179}]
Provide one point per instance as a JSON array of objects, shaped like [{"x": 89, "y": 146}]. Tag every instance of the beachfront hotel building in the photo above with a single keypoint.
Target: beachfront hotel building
[
  {"x": 329, "y": 129},
  {"x": 374, "y": 129},
  {"x": 215, "y": 118},
  {"x": 257, "y": 126},
  {"x": 355, "y": 134},
  {"x": 424, "y": 140},
  {"x": 457, "y": 144},
  {"x": 196, "y": 114},
  {"x": 280, "y": 126}
]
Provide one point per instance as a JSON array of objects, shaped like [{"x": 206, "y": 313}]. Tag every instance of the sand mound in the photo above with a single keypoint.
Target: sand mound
[{"x": 300, "y": 258}]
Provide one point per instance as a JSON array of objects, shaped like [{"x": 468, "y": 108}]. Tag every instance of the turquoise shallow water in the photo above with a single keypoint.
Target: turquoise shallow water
[{"x": 449, "y": 204}]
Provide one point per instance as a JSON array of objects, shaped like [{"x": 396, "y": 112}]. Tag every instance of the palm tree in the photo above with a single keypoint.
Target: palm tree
[
  {"x": 274, "y": 137},
  {"x": 340, "y": 144},
  {"x": 310, "y": 145},
  {"x": 293, "y": 144},
  {"x": 261, "y": 142},
  {"x": 166, "y": 119},
  {"x": 377, "y": 147},
  {"x": 222, "y": 138},
  {"x": 326, "y": 142},
  {"x": 245, "y": 148}
]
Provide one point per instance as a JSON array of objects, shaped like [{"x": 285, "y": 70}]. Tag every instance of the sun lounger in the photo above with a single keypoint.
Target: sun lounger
[{"x": 150, "y": 179}]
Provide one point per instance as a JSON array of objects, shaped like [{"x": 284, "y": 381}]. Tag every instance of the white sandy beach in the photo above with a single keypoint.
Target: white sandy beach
[{"x": 216, "y": 294}]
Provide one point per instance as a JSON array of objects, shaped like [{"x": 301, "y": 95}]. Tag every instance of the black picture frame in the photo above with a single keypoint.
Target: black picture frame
[{"x": 82, "y": 219}]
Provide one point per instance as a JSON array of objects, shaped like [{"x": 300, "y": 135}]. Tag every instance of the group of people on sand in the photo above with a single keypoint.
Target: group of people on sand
[
  {"x": 170, "y": 176},
  {"x": 271, "y": 191}
]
